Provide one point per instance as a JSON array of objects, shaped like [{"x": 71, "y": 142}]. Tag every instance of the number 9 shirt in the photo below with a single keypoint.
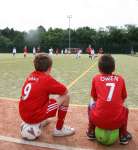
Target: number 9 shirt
[{"x": 34, "y": 99}]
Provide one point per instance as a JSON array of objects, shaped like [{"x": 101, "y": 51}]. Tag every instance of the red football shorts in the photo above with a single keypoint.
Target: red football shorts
[{"x": 52, "y": 108}]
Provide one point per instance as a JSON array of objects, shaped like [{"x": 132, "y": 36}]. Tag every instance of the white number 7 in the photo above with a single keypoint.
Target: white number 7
[{"x": 111, "y": 91}]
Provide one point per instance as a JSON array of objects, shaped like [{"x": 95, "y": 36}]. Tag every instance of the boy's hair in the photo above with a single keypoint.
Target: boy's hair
[
  {"x": 42, "y": 62},
  {"x": 106, "y": 64}
]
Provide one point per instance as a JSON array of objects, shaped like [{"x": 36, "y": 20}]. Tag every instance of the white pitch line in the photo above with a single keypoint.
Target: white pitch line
[
  {"x": 9, "y": 99},
  {"x": 40, "y": 144},
  {"x": 77, "y": 105},
  {"x": 80, "y": 76}
]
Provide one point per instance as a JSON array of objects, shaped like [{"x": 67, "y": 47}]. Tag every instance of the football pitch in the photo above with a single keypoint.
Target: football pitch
[{"x": 72, "y": 72}]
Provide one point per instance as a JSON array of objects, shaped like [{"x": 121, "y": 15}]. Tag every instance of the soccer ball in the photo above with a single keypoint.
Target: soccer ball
[
  {"x": 106, "y": 137},
  {"x": 30, "y": 132}
]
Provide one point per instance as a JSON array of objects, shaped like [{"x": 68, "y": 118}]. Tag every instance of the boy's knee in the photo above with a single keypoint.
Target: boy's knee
[
  {"x": 63, "y": 100},
  {"x": 91, "y": 104},
  {"x": 67, "y": 99}
]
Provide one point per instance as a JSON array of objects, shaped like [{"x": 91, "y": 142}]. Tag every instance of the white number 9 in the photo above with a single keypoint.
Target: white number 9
[{"x": 27, "y": 90}]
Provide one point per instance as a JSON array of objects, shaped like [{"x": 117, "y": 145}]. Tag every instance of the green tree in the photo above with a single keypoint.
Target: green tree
[{"x": 5, "y": 44}]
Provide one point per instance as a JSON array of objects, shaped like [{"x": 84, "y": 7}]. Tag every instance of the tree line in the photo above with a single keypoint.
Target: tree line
[{"x": 112, "y": 39}]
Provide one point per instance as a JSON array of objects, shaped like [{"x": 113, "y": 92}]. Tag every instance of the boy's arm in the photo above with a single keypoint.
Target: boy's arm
[
  {"x": 93, "y": 91},
  {"x": 124, "y": 92},
  {"x": 55, "y": 87}
]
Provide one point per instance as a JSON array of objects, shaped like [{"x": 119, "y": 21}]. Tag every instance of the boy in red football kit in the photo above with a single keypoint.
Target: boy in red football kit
[
  {"x": 35, "y": 106},
  {"x": 106, "y": 109},
  {"x": 25, "y": 50}
]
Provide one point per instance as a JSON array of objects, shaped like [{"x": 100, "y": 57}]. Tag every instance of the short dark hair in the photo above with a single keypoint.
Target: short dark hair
[
  {"x": 42, "y": 62},
  {"x": 106, "y": 64}
]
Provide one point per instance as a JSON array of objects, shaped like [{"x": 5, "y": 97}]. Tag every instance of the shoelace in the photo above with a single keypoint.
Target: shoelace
[{"x": 66, "y": 128}]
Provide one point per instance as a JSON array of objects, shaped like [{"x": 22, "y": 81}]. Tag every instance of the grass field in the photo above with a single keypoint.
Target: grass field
[{"x": 66, "y": 69}]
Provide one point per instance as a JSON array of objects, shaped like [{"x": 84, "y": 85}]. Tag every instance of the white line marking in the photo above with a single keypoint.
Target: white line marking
[
  {"x": 75, "y": 105},
  {"x": 9, "y": 99},
  {"x": 79, "y": 77},
  {"x": 40, "y": 144}
]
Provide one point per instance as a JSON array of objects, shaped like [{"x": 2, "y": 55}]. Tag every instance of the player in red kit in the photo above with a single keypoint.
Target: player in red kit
[
  {"x": 25, "y": 51},
  {"x": 91, "y": 52},
  {"x": 35, "y": 106},
  {"x": 106, "y": 109}
]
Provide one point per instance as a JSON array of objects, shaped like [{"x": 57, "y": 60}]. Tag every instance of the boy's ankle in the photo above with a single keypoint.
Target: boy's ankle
[
  {"x": 129, "y": 136},
  {"x": 123, "y": 140},
  {"x": 91, "y": 134}
]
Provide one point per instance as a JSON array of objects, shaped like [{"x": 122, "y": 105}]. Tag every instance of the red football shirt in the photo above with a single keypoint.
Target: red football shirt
[
  {"x": 109, "y": 92},
  {"x": 25, "y": 50},
  {"x": 89, "y": 50},
  {"x": 35, "y": 96}
]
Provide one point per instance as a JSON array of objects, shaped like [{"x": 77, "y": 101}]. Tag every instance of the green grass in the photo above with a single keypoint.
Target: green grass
[{"x": 66, "y": 68}]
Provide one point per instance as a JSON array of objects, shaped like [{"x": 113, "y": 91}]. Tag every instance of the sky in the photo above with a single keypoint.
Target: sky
[{"x": 24, "y": 15}]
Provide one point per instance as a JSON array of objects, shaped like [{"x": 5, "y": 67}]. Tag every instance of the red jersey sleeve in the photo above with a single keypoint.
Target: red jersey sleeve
[
  {"x": 93, "y": 90},
  {"x": 55, "y": 87}
]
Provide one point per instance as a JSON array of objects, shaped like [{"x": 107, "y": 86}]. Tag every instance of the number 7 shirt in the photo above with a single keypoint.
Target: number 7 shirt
[{"x": 109, "y": 92}]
